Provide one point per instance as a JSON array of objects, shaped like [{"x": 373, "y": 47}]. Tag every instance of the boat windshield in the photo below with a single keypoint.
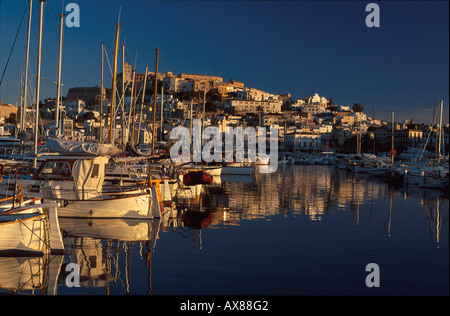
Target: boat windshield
[{"x": 56, "y": 169}]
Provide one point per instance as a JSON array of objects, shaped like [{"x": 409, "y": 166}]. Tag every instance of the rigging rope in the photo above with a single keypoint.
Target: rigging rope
[{"x": 14, "y": 43}]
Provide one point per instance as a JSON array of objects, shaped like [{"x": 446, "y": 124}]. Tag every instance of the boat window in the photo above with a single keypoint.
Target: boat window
[
  {"x": 56, "y": 169},
  {"x": 95, "y": 171}
]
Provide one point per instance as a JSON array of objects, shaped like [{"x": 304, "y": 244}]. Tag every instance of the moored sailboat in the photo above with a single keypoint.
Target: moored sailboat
[{"x": 77, "y": 182}]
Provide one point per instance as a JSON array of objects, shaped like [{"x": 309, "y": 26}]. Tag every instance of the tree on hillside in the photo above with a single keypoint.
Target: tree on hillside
[
  {"x": 12, "y": 119},
  {"x": 357, "y": 107}
]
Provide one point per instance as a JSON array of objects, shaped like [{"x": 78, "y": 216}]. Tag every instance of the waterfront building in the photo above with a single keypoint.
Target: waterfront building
[
  {"x": 249, "y": 106},
  {"x": 302, "y": 140},
  {"x": 403, "y": 138}
]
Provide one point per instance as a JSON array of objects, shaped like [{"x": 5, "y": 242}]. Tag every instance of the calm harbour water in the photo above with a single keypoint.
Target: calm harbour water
[{"x": 304, "y": 230}]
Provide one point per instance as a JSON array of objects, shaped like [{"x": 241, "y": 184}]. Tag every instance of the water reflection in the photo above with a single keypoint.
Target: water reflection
[
  {"x": 102, "y": 248},
  {"x": 30, "y": 275},
  {"x": 115, "y": 255},
  {"x": 312, "y": 191}
]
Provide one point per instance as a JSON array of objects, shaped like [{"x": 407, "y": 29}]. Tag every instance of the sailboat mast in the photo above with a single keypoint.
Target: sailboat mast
[
  {"x": 134, "y": 108},
  {"x": 142, "y": 104},
  {"x": 162, "y": 112},
  {"x": 440, "y": 132},
  {"x": 373, "y": 129},
  {"x": 204, "y": 105},
  {"x": 38, "y": 80},
  {"x": 154, "y": 103},
  {"x": 100, "y": 138},
  {"x": 112, "y": 121},
  {"x": 58, "y": 84},
  {"x": 392, "y": 140},
  {"x": 23, "y": 118}
]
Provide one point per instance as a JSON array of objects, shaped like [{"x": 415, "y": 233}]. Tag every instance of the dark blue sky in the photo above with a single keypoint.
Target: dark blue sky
[{"x": 297, "y": 47}]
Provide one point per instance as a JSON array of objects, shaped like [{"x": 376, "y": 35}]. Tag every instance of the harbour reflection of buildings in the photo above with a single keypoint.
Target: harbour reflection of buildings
[{"x": 308, "y": 190}]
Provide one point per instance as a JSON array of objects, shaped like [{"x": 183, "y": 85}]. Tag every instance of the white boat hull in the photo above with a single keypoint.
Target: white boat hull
[
  {"x": 133, "y": 206},
  {"x": 24, "y": 236},
  {"x": 8, "y": 206}
]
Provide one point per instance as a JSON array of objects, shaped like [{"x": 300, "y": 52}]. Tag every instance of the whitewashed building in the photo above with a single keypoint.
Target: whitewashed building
[
  {"x": 302, "y": 141},
  {"x": 249, "y": 106},
  {"x": 73, "y": 106}
]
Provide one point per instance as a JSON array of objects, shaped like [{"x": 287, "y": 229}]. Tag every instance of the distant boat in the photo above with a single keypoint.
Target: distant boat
[
  {"x": 237, "y": 168},
  {"x": 304, "y": 161},
  {"x": 413, "y": 154},
  {"x": 410, "y": 177},
  {"x": 196, "y": 177},
  {"x": 214, "y": 170},
  {"x": 438, "y": 179},
  {"x": 286, "y": 160},
  {"x": 320, "y": 161},
  {"x": 379, "y": 171},
  {"x": 262, "y": 160},
  {"x": 342, "y": 161}
]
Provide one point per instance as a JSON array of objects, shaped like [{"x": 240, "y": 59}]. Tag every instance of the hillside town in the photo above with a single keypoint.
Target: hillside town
[{"x": 313, "y": 124}]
